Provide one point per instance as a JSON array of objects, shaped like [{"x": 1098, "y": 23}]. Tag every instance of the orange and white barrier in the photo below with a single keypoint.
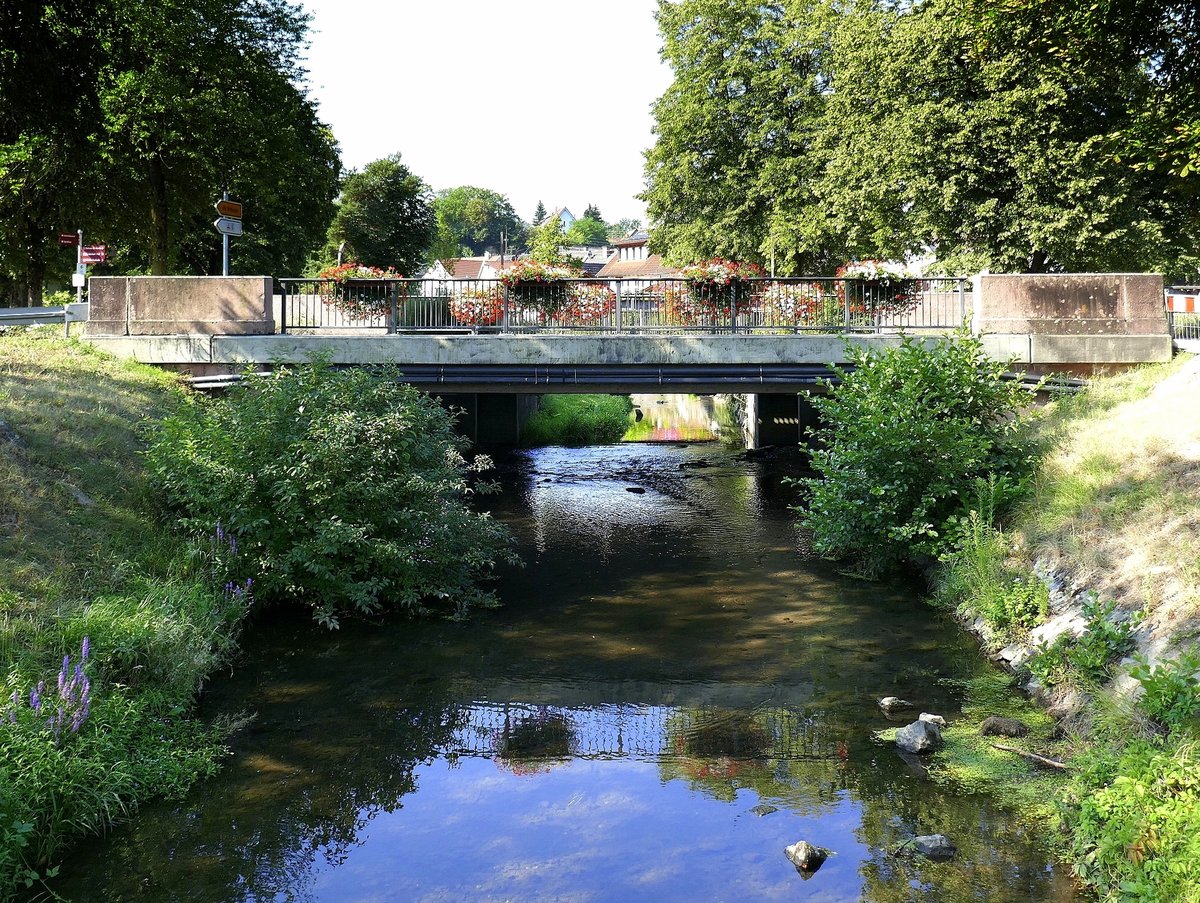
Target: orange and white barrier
[{"x": 1180, "y": 303}]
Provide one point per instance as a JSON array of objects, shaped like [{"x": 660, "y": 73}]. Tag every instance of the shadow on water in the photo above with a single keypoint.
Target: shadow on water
[{"x": 670, "y": 695}]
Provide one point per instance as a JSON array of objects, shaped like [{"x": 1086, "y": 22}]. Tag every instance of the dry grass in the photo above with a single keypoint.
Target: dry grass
[{"x": 1117, "y": 499}]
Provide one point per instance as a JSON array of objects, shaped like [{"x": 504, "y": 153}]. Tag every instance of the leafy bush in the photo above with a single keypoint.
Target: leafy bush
[
  {"x": 1089, "y": 657},
  {"x": 1170, "y": 691},
  {"x": 578, "y": 420},
  {"x": 345, "y": 489},
  {"x": 902, "y": 442},
  {"x": 1135, "y": 819}
]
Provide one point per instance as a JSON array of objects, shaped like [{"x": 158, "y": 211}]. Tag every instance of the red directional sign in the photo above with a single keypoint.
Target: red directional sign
[
  {"x": 94, "y": 254},
  {"x": 68, "y": 239}
]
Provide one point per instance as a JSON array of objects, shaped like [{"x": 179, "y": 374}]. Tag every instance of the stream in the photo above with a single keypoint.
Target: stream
[{"x": 672, "y": 692}]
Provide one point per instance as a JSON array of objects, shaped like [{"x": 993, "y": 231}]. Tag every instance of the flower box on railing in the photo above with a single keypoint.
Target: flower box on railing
[
  {"x": 478, "y": 306},
  {"x": 874, "y": 288},
  {"x": 718, "y": 288},
  {"x": 357, "y": 290}
]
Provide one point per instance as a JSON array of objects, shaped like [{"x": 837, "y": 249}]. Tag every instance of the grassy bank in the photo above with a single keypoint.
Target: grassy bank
[
  {"x": 85, "y": 555},
  {"x": 578, "y": 420},
  {"x": 1095, "y": 572}
]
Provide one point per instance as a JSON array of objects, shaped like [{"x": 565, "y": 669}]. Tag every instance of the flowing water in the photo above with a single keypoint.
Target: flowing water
[{"x": 671, "y": 693}]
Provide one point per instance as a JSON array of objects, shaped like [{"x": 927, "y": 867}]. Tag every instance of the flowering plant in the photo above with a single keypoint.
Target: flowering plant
[
  {"x": 885, "y": 287},
  {"x": 540, "y": 286},
  {"x": 718, "y": 271},
  {"x": 63, "y": 708},
  {"x": 587, "y": 304},
  {"x": 483, "y": 306},
  {"x": 798, "y": 304},
  {"x": 349, "y": 287},
  {"x": 720, "y": 287}
]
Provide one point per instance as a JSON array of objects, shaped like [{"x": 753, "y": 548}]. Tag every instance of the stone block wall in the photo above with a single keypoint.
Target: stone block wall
[
  {"x": 180, "y": 305},
  {"x": 1074, "y": 304}
]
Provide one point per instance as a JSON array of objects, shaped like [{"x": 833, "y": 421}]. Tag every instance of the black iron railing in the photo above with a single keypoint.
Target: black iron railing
[{"x": 771, "y": 306}]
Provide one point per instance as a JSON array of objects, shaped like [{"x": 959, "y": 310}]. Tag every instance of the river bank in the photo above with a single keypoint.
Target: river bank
[
  {"x": 1090, "y": 594},
  {"x": 110, "y": 623}
]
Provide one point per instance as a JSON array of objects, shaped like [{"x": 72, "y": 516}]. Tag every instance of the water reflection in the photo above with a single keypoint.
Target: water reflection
[{"x": 669, "y": 697}]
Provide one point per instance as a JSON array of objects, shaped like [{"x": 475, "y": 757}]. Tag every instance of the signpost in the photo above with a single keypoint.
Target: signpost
[
  {"x": 229, "y": 223},
  {"x": 227, "y": 226},
  {"x": 90, "y": 254},
  {"x": 68, "y": 239}
]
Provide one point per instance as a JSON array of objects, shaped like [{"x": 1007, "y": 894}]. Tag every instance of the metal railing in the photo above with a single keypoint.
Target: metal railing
[
  {"x": 1184, "y": 327},
  {"x": 673, "y": 305}
]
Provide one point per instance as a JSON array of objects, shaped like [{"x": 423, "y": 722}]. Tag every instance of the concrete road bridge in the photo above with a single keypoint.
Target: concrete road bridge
[{"x": 486, "y": 345}]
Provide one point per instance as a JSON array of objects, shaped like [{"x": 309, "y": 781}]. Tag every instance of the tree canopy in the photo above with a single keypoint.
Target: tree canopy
[
  {"x": 128, "y": 119},
  {"x": 385, "y": 217},
  {"x": 471, "y": 221},
  {"x": 586, "y": 231},
  {"x": 1023, "y": 135}
]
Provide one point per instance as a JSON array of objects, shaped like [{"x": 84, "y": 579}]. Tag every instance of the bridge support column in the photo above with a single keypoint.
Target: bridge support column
[
  {"x": 492, "y": 419},
  {"x": 778, "y": 419}
]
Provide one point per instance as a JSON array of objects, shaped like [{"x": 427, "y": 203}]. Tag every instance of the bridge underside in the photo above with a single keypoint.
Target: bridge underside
[{"x": 620, "y": 379}]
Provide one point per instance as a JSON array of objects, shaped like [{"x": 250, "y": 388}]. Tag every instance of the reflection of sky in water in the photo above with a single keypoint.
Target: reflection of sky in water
[{"x": 491, "y": 836}]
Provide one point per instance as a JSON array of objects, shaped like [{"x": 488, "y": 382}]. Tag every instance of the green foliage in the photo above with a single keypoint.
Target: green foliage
[
  {"x": 1089, "y": 657},
  {"x": 539, "y": 214},
  {"x": 818, "y": 131},
  {"x": 385, "y": 217},
  {"x": 128, "y": 119},
  {"x": 1135, "y": 822},
  {"x": 976, "y": 578},
  {"x": 150, "y": 604},
  {"x": 729, "y": 173},
  {"x": 578, "y": 420},
  {"x": 345, "y": 489},
  {"x": 1170, "y": 691},
  {"x": 903, "y": 440},
  {"x": 586, "y": 231},
  {"x": 546, "y": 241},
  {"x": 593, "y": 212},
  {"x": 470, "y": 222}
]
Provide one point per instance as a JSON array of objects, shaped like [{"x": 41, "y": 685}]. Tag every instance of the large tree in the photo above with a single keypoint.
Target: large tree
[
  {"x": 586, "y": 231},
  {"x": 1023, "y": 139},
  {"x": 729, "y": 168},
  {"x": 385, "y": 217},
  {"x": 48, "y": 110},
  {"x": 471, "y": 221},
  {"x": 129, "y": 118}
]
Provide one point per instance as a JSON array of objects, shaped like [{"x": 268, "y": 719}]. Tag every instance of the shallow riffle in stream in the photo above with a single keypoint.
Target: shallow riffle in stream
[{"x": 671, "y": 693}]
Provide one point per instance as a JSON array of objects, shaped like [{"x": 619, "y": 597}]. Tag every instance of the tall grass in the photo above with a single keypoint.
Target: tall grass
[
  {"x": 84, "y": 553},
  {"x": 578, "y": 420}
]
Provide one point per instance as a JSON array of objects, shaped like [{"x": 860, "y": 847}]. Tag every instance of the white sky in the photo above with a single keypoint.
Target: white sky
[{"x": 535, "y": 99}]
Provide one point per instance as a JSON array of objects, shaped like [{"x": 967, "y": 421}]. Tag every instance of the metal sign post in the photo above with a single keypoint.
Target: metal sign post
[
  {"x": 229, "y": 223},
  {"x": 80, "y": 269}
]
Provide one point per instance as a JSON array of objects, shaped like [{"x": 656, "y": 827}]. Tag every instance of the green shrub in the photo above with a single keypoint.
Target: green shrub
[
  {"x": 1135, "y": 820},
  {"x": 902, "y": 442},
  {"x": 344, "y": 489},
  {"x": 578, "y": 420},
  {"x": 1089, "y": 657},
  {"x": 1170, "y": 691}
]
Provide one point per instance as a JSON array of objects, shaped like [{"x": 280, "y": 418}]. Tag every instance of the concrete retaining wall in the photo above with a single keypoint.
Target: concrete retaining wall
[
  {"x": 1093, "y": 304},
  {"x": 180, "y": 305}
]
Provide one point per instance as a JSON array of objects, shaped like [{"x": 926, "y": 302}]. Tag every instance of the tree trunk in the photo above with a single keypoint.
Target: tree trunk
[
  {"x": 35, "y": 263},
  {"x": 159, "y": 235},
  {"x": 1037, "y": 262}
]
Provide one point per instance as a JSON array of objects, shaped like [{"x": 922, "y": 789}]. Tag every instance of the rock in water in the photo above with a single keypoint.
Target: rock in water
[
  {"x": 933, "y": 846},
  {"x": 1003, "y": 727},
  {"x": 764, "y": 809},
  {"x": 894, "y": 704},
  {"x": 919, "y": 737},
  {"x": 805, "y": 856},
  {"x": 636, "y": 490}
]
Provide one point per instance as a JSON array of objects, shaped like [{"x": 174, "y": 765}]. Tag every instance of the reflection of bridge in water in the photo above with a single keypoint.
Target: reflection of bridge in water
[{"x": 650, "y": 732}]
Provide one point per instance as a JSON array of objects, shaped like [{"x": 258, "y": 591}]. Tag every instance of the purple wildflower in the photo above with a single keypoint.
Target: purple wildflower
[{"x": 86, "y": 648}]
